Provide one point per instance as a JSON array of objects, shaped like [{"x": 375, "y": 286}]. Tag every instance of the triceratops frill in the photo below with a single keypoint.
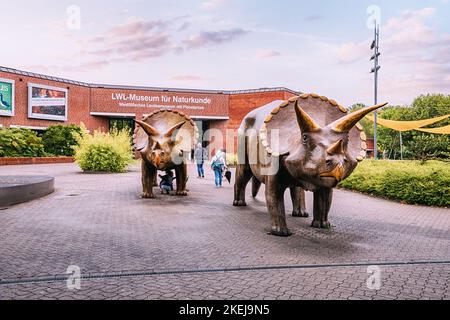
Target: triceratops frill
[{"x": 307, "y": 142}]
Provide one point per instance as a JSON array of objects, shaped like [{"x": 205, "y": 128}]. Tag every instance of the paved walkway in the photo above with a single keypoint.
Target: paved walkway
[{"x": 201, "y": 246}]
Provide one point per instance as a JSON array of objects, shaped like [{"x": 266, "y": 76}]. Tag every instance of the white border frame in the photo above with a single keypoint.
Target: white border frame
[
  {"x": 46, "y": 116},
  {"x": 4, "y": 113},
  {"x": 112, "y": 114}
]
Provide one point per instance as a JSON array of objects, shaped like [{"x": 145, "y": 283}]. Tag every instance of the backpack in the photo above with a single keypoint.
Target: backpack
[{"x": 217, "y": 164}]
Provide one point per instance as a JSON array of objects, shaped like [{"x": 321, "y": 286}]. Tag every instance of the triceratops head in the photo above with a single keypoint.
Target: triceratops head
[
  {"x": 322, "y": 157},
  {"x": 160, "y": 147}
]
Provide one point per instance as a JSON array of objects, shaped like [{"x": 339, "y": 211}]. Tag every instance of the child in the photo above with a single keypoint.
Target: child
[{"x": 166, "y": 183}]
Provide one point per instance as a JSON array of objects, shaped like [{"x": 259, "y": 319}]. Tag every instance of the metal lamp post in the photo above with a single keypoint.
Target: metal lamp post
[{"x": 374, "y": 70}]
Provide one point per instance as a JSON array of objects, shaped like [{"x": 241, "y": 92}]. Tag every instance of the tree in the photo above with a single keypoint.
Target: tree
[
  {"x": 58, "y": 140},
  {"x": 416, "y": 144}
]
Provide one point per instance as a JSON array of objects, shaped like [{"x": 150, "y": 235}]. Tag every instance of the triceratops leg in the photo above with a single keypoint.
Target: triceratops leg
[
  {"x": 181, "y": 177},
  {"x": 256, "y": 184},
  {"x": 322, "y": 204},
  {"x": 275, "y": 206},
  {"x": 147, "y": 179},
  {"x": 243, "y": 176},
  {"x": 298, "y": 202}
]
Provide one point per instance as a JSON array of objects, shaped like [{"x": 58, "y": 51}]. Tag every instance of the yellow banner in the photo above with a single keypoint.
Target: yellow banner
[
  {"x": 440, "y": 130},
  {"x": 410, "y": 125}
]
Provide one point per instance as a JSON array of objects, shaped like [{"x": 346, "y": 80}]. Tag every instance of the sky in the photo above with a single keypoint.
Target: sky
[{"x": 309, "y": 46}]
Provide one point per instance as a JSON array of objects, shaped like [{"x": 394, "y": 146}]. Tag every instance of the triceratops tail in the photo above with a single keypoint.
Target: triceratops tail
[{"x": 256, "y": 184}]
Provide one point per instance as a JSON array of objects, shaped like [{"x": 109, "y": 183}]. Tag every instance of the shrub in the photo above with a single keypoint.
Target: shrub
[
  {"x": 103, "y": 152},
  {"x": 15, "y": 142},
  {"x": 231, "y": 160},
  {"x": 59, "y": 140},
  {"x": 414, "y": 182}
]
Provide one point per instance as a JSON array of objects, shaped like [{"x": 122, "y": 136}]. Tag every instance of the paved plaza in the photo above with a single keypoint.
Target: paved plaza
[{"x": 201, "y": 247}]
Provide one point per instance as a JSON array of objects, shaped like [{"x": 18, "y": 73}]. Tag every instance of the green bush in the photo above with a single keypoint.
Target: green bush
[
  {"x": 59, "y": 140},
  {"x": 17, "y": 142},
  {"x": 414, "y": 182},
  {"x": 103, "y": 152},
  {"x": 231, "y": 160}
]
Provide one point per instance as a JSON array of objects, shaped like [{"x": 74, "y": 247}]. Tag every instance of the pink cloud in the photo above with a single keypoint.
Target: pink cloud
[
  {"x": 212, "y": 4},
  {"x": 267, "y": 53},
  {"x": 415, "y": 58}
]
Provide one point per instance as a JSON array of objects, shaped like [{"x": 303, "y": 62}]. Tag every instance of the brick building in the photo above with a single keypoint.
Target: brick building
[{"x": 38, "y": 101}]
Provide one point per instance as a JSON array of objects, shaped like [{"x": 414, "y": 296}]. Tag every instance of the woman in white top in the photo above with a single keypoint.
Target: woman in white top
[{"x": 218, "y": 164}]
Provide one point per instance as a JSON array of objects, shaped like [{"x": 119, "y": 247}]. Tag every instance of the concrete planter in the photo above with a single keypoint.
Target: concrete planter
[{"x": 18, "y": 189}]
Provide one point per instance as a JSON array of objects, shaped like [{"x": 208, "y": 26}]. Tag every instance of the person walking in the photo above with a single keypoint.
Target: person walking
[
  {"x": 218, "y": 164},
  {"x": 200, "y": 155}
]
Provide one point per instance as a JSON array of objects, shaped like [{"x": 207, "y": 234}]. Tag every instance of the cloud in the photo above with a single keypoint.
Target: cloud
[
  {"x": 313, "y": 17},
  {"x": 351, "y": 52},
  {"x": 399, "y": 35},
  {"x": 267, "y": 53},
  {"x": 186, "y": 78},
  {"x": 139, "y": 40},
  {"x": 184, "y": 26},
  {"x": 135, "y": 40},
  {"x": 213, "y": 37},
  {"x": 415, "y": 58},
  {"x": 211, "y": 4},
  {"x": 134, "y": 27}
]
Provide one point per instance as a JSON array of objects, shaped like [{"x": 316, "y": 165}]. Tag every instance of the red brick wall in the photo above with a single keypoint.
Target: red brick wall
[
  {"x": 40, "y": 160},
  {"x": 82, "y": 100},
  {"x": 241, "y": 104},
  {"x": 78, "y": 104}
]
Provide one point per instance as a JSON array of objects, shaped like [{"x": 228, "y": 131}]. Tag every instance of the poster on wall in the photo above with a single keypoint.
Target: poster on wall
[
  {"x": 6, "y": 97},
  {"x": 46, "y": 102}
]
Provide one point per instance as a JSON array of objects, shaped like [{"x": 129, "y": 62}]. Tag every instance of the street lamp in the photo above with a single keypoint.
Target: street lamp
[{"x": 374, "y": 70}]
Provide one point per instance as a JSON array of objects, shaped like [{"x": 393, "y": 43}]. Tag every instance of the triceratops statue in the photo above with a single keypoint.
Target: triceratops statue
[
  {"x": 304, "y": 143},
  {"x": 164, "y": 138}
]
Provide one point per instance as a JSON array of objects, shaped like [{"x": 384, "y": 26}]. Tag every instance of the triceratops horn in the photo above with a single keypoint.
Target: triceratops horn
[
  {"x": 151, "y": 131},
  {"x": 347, "y": 122},
  {"x": 175, "y": 127},
  {"x": 305, "y": 122},
  {"x": 337, "y": 147}
]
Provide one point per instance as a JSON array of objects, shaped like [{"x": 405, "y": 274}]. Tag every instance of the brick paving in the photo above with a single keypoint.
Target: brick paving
[{"x": 98, "y": 222}]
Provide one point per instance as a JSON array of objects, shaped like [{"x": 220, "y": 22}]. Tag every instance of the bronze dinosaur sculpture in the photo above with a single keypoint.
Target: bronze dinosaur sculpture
[
  {"x": 163, "y": 139},
  {"x": 306, "y": 143}
]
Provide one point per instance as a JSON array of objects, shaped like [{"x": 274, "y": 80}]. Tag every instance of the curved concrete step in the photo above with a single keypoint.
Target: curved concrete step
[{"x": 17, "y": 189}]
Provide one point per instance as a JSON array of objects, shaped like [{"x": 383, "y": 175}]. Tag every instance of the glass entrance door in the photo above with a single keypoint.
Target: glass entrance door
[{"x": 121, "y": 124}]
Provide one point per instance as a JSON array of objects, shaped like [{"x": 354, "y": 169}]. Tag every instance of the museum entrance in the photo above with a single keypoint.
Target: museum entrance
[
  {"x": 203, "y": 127},
  {"x": 122, "y": 124}
]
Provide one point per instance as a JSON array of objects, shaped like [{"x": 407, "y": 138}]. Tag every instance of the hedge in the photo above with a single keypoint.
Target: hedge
[{"x": 413, "y": 182}]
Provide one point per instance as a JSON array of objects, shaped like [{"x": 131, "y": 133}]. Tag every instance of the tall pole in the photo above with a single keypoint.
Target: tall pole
[
  {"x": 401, "y": 146},
  {"x": 375, "y": 69}
]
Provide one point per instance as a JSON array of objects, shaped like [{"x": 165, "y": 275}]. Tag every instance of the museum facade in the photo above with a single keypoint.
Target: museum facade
[{"x": 36, "y": 101}]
